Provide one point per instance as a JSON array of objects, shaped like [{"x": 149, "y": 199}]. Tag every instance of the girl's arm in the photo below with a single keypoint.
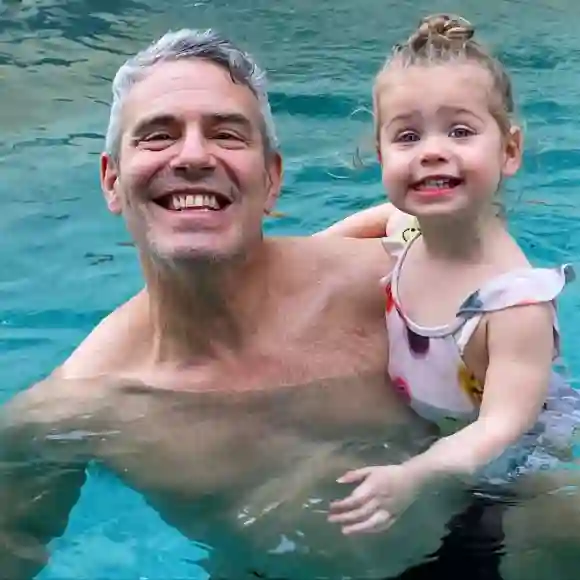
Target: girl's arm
[
  {"x": 520, "y": 347},
  {"x": 367, "y": 223}
]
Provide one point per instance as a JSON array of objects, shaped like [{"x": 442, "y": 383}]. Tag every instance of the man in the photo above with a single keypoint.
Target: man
[{"x": 248, "y": 374}]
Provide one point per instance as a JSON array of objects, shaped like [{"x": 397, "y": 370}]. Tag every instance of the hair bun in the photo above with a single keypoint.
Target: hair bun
[{"x": 441, "y": 30}]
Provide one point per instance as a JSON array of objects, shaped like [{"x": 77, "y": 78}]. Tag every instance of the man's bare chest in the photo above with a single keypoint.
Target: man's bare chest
[{"x": 210, "y": 437}]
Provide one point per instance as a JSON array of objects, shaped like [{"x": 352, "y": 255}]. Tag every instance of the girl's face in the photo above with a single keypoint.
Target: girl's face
[{"x": 442, "y": 151}]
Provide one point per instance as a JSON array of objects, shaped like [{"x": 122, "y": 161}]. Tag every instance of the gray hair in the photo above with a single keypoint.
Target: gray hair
[{"x": 189, "y": 44}]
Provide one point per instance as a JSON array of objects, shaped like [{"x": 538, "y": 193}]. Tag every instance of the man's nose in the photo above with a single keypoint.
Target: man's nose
[{"x": 195, "y": 153}]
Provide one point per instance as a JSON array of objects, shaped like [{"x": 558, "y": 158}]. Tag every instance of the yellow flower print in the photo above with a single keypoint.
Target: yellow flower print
[
  {"x": 410, "y": 233},
  {"x": 403, "y": 229},
  {"x": 470, "y": 385}
]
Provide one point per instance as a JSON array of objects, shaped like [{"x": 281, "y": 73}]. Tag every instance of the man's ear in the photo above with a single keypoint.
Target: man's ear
[
  {"x": 275, "y": 172},
  {"x": 109, "y": 183}
]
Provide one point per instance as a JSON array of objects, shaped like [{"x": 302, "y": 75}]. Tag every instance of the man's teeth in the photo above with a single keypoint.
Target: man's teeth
[{"x": 177, "y": 202}]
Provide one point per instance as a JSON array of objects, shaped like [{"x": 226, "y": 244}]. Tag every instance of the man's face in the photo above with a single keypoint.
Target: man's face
[{"x": 193, "y": 178}]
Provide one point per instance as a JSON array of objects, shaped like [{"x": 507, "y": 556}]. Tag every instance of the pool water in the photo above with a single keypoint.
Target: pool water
[{"x": 64, "y": 263}]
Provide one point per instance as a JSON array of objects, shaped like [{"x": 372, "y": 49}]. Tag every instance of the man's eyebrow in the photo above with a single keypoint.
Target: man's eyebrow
[
  {"x": 231, "y": 118},
  {"x": 162, "y": 120},
  {"x": 151, "y": 122}
]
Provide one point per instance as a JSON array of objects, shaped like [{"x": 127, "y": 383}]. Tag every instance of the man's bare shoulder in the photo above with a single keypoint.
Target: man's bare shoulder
[
  {"x": 350, "y": 269},
  {"x": 111, "y": 344},
  {"x": 361, "y": 257},
  {"x": 353, "y": 256},
  {"x": 358, "y": 264}
]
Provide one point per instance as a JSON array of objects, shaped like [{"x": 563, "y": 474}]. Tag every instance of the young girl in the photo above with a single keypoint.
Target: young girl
[{"x": 472, "y": 325}]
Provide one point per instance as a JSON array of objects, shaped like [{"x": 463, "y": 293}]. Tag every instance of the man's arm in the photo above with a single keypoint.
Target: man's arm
[
  {"x": 40, "y": 482},
  {"x": 42, "y": 470}
]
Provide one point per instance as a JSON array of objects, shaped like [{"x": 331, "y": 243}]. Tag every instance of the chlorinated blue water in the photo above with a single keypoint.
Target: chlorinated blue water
[{"x": 63, "y": 261}]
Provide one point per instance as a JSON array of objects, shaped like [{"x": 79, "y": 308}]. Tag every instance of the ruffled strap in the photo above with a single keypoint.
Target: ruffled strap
[{"x": 517, "y": 288}]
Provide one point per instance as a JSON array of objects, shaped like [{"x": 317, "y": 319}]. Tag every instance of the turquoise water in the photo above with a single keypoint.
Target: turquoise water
[{"x": 63, "y": 264}]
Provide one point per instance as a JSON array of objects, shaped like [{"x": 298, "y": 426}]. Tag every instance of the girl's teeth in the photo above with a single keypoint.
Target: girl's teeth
[{"x": 439, "y": 183}]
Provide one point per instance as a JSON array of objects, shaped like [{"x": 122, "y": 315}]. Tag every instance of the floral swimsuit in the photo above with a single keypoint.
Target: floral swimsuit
[{"x": 426, "y": 363}]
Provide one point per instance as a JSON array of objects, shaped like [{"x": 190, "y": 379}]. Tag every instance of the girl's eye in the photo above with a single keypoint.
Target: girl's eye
[
  {"x": 461, "y": 132},
  {"x": 407, "y": 137}
]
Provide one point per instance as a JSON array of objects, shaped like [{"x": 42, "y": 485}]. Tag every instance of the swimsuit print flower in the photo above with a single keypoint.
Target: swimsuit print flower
[
  {"x": 411, "y": 233},
  {"x": 401, "y": 386},
  {"x": 472, "y": 303},
  {"x": 419, "y": 345},
  {"x": 470, "y": 385},
  {"x": 390, "y": 300}
]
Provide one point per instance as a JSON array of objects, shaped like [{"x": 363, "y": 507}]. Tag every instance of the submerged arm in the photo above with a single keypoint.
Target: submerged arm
[{"x": 37, "y": 492}]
